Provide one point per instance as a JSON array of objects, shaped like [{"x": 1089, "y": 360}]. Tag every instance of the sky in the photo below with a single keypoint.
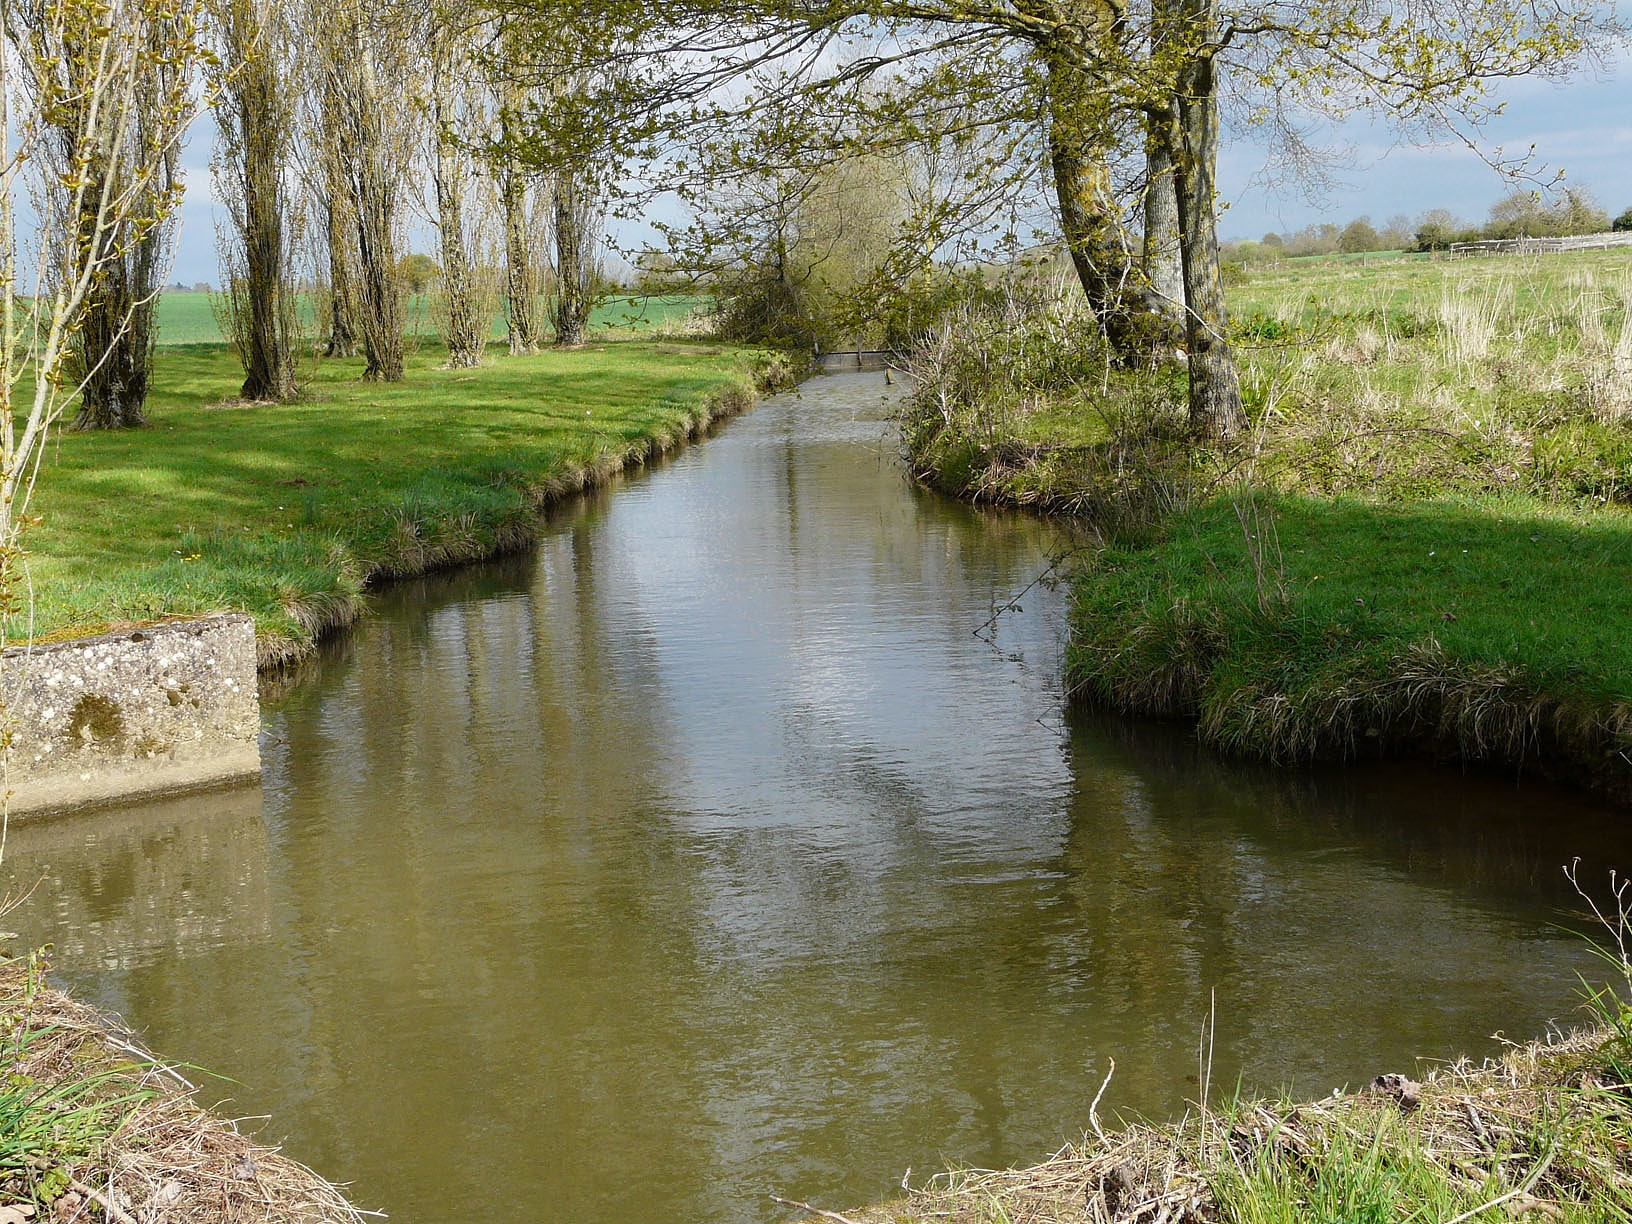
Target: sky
[{"x": 1583, "y": 126}]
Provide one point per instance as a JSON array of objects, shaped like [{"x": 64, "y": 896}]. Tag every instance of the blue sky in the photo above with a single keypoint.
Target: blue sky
[{"x": 1583, "y": 126}]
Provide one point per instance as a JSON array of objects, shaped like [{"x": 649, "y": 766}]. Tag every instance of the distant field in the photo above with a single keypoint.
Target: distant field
[
  {"x": 1570, "y": 289},
  {"x": 188, "y": 317}
]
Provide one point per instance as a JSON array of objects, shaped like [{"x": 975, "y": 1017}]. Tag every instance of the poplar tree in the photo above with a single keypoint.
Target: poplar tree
[
  {"x": 95, "y": 96},
  {"x": 366, "y": 142},
  {"x": 255, "y": 113},
  {"x": 107, "y": 143}
]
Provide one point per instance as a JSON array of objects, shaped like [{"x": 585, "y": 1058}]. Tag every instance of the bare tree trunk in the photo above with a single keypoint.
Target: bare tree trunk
[
  {"x": 1216, "y": 410},
  {"x": 254, "y": 120},
  {"x": 466, "y": 333},
  {"x": 367, "y": 137},
  {"x": 523, "y": 243},
  {"x": 464, "y": 322},
  {"x": 1161, "y": 259},
  {"x": 114, "y": 354},
  {"x": 339, "y": 321},
  {"x": 372, "y": 180},
  {"x": 342, "y": 304},
  {"x": 575, "y": 270},
  {"x": 522, "y": 290}
]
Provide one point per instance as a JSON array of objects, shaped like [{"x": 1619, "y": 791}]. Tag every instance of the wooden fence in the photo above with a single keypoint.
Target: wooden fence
[{"x": 1540, "y": 246}]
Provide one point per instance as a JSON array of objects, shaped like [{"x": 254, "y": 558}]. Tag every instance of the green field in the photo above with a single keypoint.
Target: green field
[
  {"x": 187, "y": 317},
  {"x": 287, "y": 511}
]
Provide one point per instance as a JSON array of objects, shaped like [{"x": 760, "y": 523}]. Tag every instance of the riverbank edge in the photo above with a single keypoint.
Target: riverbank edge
[
  {"x": 100, "y": 1126},
  {"x": 1540, "y": 1130},
  {"x": 1196, "y": 653},
  {"x": 771, "y": 371}
]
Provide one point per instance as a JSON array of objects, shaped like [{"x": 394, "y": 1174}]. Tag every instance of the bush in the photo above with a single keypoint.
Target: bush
[
  {"x": 921, "y": 308},
  {"x": 1623, "y": 223}
]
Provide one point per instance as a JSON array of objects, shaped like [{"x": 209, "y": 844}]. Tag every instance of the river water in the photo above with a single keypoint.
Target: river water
[{"x": 736, "y": 841}]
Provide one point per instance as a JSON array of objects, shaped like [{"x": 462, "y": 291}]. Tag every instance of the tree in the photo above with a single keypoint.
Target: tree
[
  {"x": 1396, "y": 233},
  {"x": 97, "y": 95},
  {"x": 1439, "y": 228},
  {"x": 367, "y": 143},
  {"x": 254, "y": 114},
  {"x": 523, "y": 201},
  {"x": 458, "y": 115},
  {"x": 1623, "y": 223},
  {"x": 578, "y": 219},
  {"x": 1359, "y": 236},
  {"x": 417, "y": 272},
  {"x": 1080, "y": 85},
  {"x": 89, "y": 157}
]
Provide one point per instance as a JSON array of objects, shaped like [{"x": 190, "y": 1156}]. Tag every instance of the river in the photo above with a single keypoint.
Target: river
[{"x": 737, "y": 840}]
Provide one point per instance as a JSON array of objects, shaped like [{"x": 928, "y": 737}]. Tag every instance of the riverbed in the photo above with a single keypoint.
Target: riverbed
[{"x": 738, "y": 840}]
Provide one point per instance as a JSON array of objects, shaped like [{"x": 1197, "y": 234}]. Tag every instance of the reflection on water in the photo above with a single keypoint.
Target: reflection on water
[{"x": 710, "y": 851}]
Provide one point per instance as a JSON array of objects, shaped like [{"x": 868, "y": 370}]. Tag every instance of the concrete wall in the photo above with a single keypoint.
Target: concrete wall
[{"x": 151, "y": 711}]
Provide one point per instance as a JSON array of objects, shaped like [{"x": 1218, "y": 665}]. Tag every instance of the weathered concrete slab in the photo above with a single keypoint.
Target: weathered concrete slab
[{"x": 160, "y": 710}]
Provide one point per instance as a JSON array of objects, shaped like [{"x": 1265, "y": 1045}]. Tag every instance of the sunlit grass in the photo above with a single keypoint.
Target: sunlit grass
[{"x": 279, "y": 509}]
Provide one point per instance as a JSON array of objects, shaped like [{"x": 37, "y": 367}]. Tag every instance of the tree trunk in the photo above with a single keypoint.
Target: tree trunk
[
  {"x": 1161, "y": 259},
  {"x": 521, "y": 287},
  {"x": 257, "y": 147},
  {"x": 569, "y": 312},
  {"x": 1216, "y": 410},
  {"x": 340, "y": 226},
  {"x": 1087, "y": 211},
  {"x": 114, "y": 349},
  {"x": 342, "y": 304},
  {"x": 115, "y": 354},
  {"x": 369, "y": 159},
  {"x": 1091, "y": 221},
  {"x": 466, "y": 330}
]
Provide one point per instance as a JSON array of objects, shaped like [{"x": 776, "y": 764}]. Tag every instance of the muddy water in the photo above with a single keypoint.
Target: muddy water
[{"x": 728, "y": 845}]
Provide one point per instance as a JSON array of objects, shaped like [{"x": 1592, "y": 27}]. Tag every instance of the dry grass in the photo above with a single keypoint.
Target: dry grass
[
  {"x": 1540, "y": 1134},
  {"x": 159, "y": 1155}
]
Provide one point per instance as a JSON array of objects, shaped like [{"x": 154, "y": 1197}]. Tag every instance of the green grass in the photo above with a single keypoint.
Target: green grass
[
  {"x": 1438, "y": 467},
  {"x": 1295, "y": 627},
  {"x": 189, "y": 318},
  {"x": 287, "y": 511}
]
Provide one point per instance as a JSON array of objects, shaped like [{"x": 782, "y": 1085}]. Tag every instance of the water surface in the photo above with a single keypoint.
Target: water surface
[{"x": 735, "y": 841}]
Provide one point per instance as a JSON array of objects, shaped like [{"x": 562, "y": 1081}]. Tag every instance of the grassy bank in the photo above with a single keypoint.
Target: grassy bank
[
  {"x": 92, "y": 1127},
  {"x": 1541, "y": 1135},
  {"x": 1423, "y": 544},
  {"x": 288, "y": 512}
]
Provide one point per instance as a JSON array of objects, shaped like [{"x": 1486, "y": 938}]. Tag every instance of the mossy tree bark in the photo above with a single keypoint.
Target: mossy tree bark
[{"x": 1078, "y": 150}]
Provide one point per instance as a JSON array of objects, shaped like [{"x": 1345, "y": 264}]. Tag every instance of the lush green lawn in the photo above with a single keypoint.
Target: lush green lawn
[
  {"x": 189, "y": 318},
  {"x": 286, "y": 511}
]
